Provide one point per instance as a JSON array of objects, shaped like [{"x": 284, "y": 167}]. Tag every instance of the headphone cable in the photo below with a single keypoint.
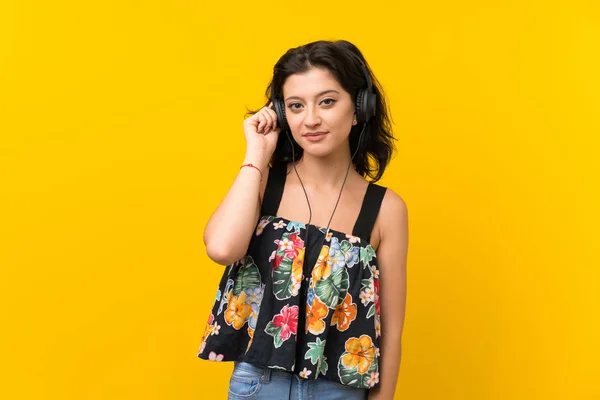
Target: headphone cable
[
  {"x": 341, "y": 190},
  {"x": 310, "y": 209}
]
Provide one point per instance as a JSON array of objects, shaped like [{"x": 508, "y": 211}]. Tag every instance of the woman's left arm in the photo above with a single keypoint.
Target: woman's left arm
[{"x": 391, "y": 258}]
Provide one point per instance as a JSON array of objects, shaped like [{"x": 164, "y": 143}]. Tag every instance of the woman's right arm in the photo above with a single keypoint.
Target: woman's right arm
[{"x": 230, "y": 228}]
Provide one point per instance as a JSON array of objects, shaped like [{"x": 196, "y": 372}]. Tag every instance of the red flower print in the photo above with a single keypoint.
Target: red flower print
[
  {"x": 287, "y": 320},
  {"x": 289, "y": 245},
  {"x": 376, "y": 285},
  {"x": 278, "y": 260},
  {"x": 296, "y": 239}
]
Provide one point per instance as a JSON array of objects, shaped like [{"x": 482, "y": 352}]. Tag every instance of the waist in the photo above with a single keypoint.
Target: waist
[{"x": 245, "y": 366}]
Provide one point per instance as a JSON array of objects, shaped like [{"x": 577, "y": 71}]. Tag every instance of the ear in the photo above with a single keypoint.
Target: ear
[{"x": 354, "y": 120}]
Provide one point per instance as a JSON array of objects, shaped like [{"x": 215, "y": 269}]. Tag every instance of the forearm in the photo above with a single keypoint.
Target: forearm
[
  {"x": 230, "y": 228},
  {"x": 391, "y": 356}
]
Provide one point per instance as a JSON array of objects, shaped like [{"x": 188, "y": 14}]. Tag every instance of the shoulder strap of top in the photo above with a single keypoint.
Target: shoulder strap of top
[
  {"x": 274, "y": 190},
  {"x": 369, "y": 210}
]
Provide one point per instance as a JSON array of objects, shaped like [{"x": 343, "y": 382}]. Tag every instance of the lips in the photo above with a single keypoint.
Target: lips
[
  {"x": 315, "y": 136},
  {"x": 315, "y": 133}
]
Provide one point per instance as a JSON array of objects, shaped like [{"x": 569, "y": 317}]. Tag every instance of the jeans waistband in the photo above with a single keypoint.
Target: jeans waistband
[{"x": 266, "y": 372}]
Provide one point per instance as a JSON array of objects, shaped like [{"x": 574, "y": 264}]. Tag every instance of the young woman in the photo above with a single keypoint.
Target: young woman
[{"x": 312, "y": 302}]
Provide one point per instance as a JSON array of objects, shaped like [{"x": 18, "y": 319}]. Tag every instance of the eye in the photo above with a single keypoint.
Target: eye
[
  {"x": 292, "y": 106},
  {"x": 331, "y": 101}
]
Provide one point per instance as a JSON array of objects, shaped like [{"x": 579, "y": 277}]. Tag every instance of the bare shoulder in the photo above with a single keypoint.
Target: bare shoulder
[
  {"x": 393, "y": 208},
  {"x": 392, "y": 220}
]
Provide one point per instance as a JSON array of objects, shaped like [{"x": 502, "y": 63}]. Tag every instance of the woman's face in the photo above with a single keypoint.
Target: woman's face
[{"x": 319, "y": 111}]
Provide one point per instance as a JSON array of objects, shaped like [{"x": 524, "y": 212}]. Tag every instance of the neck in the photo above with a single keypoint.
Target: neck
[{"x": 324, "y": 172}]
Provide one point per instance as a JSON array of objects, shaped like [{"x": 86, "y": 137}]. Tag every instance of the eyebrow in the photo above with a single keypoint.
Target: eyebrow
[{"x": 318, "y": 95}]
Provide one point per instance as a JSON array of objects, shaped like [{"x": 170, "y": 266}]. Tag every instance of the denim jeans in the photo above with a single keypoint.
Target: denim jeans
[{"x": 249, "y": 382}]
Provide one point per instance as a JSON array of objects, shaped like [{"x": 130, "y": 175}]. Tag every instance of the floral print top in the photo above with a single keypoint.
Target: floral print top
[{"x": 290, "y": 305}]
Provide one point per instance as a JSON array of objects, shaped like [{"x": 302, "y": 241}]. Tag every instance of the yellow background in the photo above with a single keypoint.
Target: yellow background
[{"x": 121, "y": 130}]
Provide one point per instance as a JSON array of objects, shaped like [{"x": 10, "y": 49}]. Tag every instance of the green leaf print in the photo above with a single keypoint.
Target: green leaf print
[
  {"x": 350, "y": 375},
  {"x": 365, "y": 283},
  {"x": 332, "y": 289},
  {"x": 315, "y": 350},
  {"x": 371, "y": 311},
  {"x": 282, "y": 276},
  {"x": 316, "y": 356},
  {"x": 345, "y": 246},
  {"x": 274, "y": 331},
  {"x": 322, "y": 367},
  {"x": 366, "y": 254},
  {"x": 247, "y": 276}
]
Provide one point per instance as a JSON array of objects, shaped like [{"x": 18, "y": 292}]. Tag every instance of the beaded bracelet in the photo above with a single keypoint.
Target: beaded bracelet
[{"x": 255, "y": 167}]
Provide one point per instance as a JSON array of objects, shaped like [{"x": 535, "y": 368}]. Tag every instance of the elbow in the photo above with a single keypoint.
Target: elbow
[{"x": 221, "y": 254}]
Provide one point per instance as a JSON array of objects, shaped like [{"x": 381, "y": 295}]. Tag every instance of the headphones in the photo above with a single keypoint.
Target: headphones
[{"x": 366, "y": 100}]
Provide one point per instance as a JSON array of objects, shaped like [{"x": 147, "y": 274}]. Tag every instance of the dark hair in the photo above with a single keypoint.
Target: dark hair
[{"x": 340, "y": 58}]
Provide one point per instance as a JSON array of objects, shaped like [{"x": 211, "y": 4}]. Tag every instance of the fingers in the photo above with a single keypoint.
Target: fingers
[
  {"x": 273, "y": 117},
  {"x": 265, "y": 120},
  {"x": 262, "y": 122},
  {"x": 268, "y": 120}
]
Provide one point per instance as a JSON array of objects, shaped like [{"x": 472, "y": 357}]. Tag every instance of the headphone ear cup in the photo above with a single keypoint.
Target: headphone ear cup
[
  {"x": 282, "y": 122},
  {"x": 371, "y": 101},
  {"x": 365, "y": 105},
  {"x": 366, "y": 102},
  {"x": 359, "y": 106},
  {"x": 371, "y": 104}
]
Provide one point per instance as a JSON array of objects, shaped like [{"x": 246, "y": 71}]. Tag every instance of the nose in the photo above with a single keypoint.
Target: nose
[{"x": 311, "y": 118}]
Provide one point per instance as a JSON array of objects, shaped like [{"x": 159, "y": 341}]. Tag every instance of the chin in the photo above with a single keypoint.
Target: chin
[
  {"x": 329, "y": 145},
  {"x": 317, "y": 154},
  {"x": 319, "y": 151}
]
